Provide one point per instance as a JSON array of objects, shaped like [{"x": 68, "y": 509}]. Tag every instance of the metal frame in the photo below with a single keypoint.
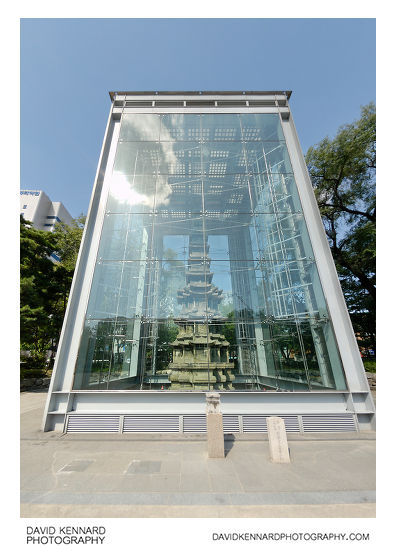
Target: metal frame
[{"x": 62, "y": 399}]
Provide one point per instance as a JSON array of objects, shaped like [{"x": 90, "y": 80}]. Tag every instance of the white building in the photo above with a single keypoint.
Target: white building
[{"x": 37, "y": 207}]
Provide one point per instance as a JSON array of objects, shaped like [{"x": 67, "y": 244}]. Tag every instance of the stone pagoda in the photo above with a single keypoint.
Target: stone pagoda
[{"x": 200, "y": 351}]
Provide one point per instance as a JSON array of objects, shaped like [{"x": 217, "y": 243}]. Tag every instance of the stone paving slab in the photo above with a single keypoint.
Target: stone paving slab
[
  {"x": 169, "y": 475},
  {"x": 362, "y": 510},
  {"x": 204, "y": 498}
]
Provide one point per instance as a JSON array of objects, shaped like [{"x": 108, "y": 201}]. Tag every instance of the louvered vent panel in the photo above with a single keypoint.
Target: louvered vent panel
[
  {"x": 200, "y": 103},
  {"x": 151, "y": 423},
  {"x": 138, "y": 103},
  {"x": 262, "y": 103},
  {"x": 328, "y": 423},
  {"x": 230, "y": 423},
  {"x": 92, "y": 423},
  {"x": 291, "y": 423},
  {"x": 169, "y": 103},
  {"x": 254, "y": 423},
  {"x": 194, "y": 423},
  {"x": 258, "y": 423}
]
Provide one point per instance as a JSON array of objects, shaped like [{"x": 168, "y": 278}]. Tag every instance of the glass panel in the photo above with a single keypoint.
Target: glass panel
[
  {"x": 136, "y": 158},
  {"x": 290, "y": 369},
  {"x": 135, "y": 193},
  {"x": 126, "y": 237},
  {"x": 274, "y": 193},
  {"x": 170, "y": 231},
  {"x": 103, "y": 300},
  {"x": 180, "y": 127},
  {"x": 292, "y": 288},
  {"x": 185, "y": 195},
  {"x": 109, "y": 355},
  {"x": 180, "y": 158},
  {"x": 261, "y": 126},
  {"x": 300, "y": 355},
  {"x": 118, "y": 289},
  {"x": 221, "y": 127},
  {"x": 220, "y": 158},
  {"x": 227, "y": 194},
  {"x": 140, "y": 127},
  {"x": 280, "y": 237},
  {"x": 270, "y": 157}
]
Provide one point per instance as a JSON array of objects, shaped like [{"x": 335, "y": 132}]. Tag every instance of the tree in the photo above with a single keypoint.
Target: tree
[
  {"x": 68, "y": 239},
  {"x": 37, "y": 291},
  {"x": 45, "y": 285},
  {"x": 342, "y": 172},
  {"x": 67, "y": 244}
]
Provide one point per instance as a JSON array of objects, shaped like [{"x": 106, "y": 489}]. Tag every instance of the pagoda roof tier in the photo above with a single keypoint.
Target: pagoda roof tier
[
  {"x": 200, "y": 285},
  {"x": 188, "y": 340},
  {"x": 199, "y": 267},
  {"x": 219, "y": 319},
  {"x": 199, "y": 294},
  {"x": 197, "y": 366},
  {"x": 199, "y": 257},
  {"x": 200, "y": 316},
  {"x": 192, "y": 278},
  {"x": 197, "y": 278}
]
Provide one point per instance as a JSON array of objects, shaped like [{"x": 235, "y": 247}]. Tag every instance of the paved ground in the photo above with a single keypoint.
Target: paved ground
[{"x": 99, "y": 476}]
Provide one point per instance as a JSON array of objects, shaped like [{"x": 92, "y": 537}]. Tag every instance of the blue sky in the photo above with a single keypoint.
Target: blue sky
[{"x": 69, "y": 65}]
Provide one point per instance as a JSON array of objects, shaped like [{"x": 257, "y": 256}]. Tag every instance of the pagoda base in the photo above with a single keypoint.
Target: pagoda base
[{"x": 213, "y": 376}]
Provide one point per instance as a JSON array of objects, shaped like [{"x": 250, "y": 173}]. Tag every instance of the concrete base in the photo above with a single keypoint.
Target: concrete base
[{"x": 214, "y": 423}]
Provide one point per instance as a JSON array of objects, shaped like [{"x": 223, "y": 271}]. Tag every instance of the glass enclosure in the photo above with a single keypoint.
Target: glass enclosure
[{"x": 205, "y": 276}]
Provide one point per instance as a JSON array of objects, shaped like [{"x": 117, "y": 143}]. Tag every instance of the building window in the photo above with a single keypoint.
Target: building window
[{"x": 25, "y": 206}]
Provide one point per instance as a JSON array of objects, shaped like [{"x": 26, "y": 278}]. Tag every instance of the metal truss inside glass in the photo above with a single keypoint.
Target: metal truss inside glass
[{"x": 205, "y": 276}]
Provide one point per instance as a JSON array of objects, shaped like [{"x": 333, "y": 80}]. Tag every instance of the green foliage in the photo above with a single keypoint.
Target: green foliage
[
  {"x": 32, "y": 373},
  {"x": 167, "y": 333},
  {"x": 68, "y": 239},
  {"x": 369, "y": 366},
  {"x": 228, "y": 329},
  {"x": 342, "y": 171},
  {"x": 44, "y": 287},
  {"x": 37, "y": 290}
]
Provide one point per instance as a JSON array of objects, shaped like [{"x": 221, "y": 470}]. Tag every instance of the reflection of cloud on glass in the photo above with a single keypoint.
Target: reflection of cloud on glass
[
  {"x": 124, "y": 191},
  {"x": 140, "y": 127},
  {"x": 146, "y": 127},
  {"x": 167, "y": 145},
  {"x": 140, "y": 190},
  {"x": 164, "y": 190}
]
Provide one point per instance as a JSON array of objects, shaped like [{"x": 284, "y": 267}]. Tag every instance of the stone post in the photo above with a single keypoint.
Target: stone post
[
  {"x": 214, "y": 425},
  {"x": 279, "y": 450}
]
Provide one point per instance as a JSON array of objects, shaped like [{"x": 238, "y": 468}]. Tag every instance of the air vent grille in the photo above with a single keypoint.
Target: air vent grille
[
  {"x": 169, "y": 104},
  {"x": 151, "y": 423},
  {"x": 231, "y": 103},
  {"x": 258, "y": 423},
  {"x": 328, "y": 423},
  {"x": 194, "y": 423},
  {"x": 93, "y": 423},
  {"x": 138, "y": 104},
  {"x": 262, "y": 103},
  {"x": 199, "y": 103},
  {"x": 174, "y": 423},
  {"x": 230, "y": 424},
  {"x": 207, "y": 103}
]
